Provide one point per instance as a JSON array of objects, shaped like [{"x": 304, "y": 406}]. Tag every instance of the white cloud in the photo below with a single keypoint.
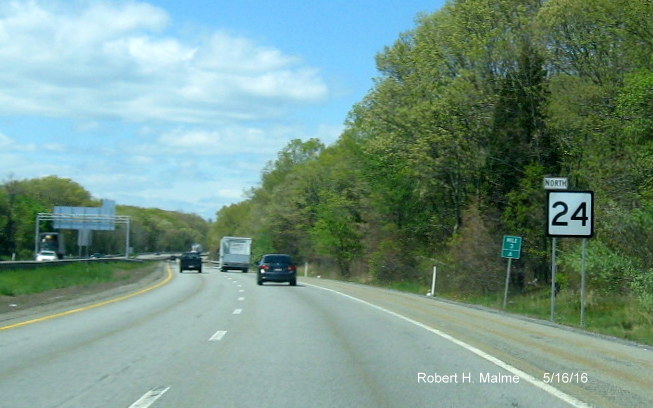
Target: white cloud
[
  {"x": 232, "y": 193},
  {"x": 104, "y": 92},
  {"x": 103, "y": 59},
  {"x": 5, "y": 142},
  {"x": 8, "y": 144},
  {"x": 236, "y": 54},
  {"x": 227, "y": 141}
]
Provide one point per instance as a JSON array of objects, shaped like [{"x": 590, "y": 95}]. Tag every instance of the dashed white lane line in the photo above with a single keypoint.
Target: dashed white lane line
[
  {"x": 238, "y": 311},
  {"x": 218, "y": 335},
  {"x": 149, "y": 397},
  {"x": 241, "y": 299}
]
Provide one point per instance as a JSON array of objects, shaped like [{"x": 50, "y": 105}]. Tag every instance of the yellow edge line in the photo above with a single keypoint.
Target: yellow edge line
[{"x": 93, "y": 306}]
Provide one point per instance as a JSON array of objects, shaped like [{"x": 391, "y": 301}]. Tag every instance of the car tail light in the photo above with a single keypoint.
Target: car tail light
[
  {"x": 266, "y": 267},
  {"x": 292, "y": 268}
]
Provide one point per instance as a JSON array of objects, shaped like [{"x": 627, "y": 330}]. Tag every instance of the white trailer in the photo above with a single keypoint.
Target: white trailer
[{"x": 235, "y": 253}]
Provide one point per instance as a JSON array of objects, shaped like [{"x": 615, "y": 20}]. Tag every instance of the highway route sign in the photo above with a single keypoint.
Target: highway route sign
[{"x": 570, "y": 214}]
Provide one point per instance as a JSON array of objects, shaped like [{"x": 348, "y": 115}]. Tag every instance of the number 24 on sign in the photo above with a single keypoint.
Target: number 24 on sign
[{"x": 570, "y": 214}]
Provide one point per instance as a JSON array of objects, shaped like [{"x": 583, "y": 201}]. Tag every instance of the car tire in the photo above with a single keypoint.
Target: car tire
[
  {"x": 259, "y": 282},
  {"x": 293, "y": 282}
]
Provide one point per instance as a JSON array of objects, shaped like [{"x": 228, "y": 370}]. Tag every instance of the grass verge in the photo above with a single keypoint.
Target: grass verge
[
  {"x": 617, "y": 316},
  {"x": 15, "y": 282}
]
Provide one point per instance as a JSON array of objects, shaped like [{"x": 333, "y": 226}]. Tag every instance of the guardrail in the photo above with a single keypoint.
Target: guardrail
[{"x": 40, "y": 264}]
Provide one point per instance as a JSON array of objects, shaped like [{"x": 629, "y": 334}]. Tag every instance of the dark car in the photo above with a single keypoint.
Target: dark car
[
  {"x": 190, "y": 261},
  {"x": 276, "y": 268}
]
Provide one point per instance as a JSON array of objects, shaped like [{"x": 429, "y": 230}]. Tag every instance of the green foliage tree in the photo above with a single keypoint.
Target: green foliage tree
[
  {"x": 152, "y": 229},
  {"x": 471, "y": 109}
]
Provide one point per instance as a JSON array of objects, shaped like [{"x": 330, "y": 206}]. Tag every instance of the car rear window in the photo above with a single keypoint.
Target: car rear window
[{"x": 276, "y": 259}]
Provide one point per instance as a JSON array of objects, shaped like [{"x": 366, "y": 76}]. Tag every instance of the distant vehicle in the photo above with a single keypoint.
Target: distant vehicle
[
  {"x": 276, "y": 268},
  {"x": 52, "y": 241},
  {"x": 196, "y": 248},
  {"x": 46, "y": 256},
  {"x": 190, "y": 261},
  {"x": 235, "y": 253},
  {"x": 97, "y": 255},
  {"x": 172, "y": 257}
]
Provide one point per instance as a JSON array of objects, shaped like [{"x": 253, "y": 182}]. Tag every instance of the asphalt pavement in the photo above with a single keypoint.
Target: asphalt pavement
[{"x": 219, "y": 340}]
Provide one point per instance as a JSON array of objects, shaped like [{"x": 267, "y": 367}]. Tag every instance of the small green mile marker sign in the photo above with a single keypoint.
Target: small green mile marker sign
[{"x": 511, "y": 247}]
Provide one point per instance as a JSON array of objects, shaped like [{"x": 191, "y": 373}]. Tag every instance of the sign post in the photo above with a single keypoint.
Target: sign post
[
  {"x": 583, "y": 284},
  {"x": 553, "y": 279},
  {"x": 570, "y": 214},
  {"x": 554, "y": 183},
  {"x": 511, "y": 249}
]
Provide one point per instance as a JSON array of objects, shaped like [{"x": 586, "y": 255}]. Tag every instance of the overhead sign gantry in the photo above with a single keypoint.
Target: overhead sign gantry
[{"x": 84, "y": 220}]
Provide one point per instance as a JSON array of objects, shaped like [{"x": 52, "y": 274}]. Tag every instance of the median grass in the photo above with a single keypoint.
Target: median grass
[{"x": 15, "y": 282}]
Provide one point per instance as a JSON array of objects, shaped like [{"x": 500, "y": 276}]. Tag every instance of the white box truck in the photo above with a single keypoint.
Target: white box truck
[{"x": 235, "y": 253}]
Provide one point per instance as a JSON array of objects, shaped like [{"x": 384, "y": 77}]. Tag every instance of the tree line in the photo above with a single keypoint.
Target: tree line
[
  {"x": 472, "y": 108},
  {"x": 151, "y": 229}
]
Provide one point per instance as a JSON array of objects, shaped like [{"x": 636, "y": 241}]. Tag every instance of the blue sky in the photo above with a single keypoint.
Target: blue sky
[{"x": 179, "y": 105}]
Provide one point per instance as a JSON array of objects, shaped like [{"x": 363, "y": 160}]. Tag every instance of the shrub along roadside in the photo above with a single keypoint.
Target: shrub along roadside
[{"x": 15, "y": 282}]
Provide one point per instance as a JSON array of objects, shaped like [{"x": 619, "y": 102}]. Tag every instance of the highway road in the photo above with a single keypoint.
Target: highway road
[{"x": 219, "y": 340}]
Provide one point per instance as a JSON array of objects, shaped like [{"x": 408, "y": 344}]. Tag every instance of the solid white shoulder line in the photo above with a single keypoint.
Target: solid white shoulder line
[{"x": 526, "y": 377}]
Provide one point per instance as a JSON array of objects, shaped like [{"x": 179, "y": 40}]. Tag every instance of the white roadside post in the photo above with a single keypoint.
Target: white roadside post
[{"x": 435, "y": 274}]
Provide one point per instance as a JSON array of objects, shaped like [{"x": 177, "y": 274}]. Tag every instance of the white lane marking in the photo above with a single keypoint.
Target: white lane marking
[
  {"x": 241, "y": 298},
  {"x": 218, "y": 335},
  {"x": 574, "y": 402},
  {"x": 240, "y": 286},
  {"x": 238, "y": 311},
  {"x": 242, "y": 291},
  {"x": 149, "y": 397}
]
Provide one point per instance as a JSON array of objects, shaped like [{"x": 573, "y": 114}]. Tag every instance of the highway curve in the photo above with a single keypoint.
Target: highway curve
[{"x": 219, "y": 340}]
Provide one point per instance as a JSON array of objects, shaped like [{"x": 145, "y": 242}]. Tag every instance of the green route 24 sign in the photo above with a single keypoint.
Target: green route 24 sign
[
  {"x": 511, "y": 247},
  {"x": 570, "y": 214}
]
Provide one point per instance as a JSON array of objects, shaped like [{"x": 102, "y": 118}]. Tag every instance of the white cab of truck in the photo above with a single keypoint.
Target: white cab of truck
[{"x": 235, "y": 253}]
